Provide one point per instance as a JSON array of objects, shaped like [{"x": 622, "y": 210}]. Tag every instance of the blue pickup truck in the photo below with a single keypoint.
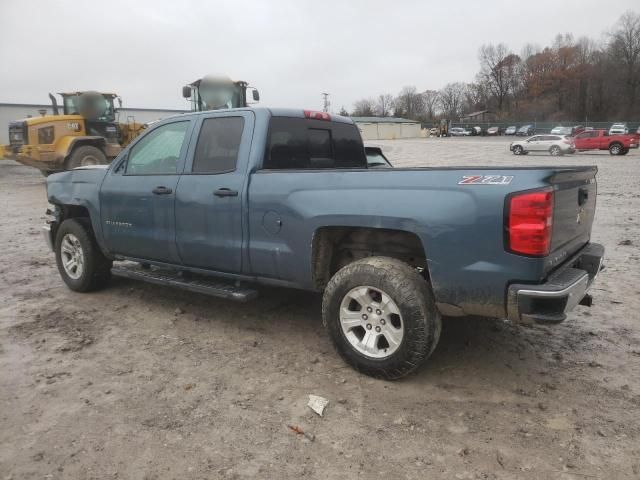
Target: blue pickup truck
[{"x": 217, "y": 202}]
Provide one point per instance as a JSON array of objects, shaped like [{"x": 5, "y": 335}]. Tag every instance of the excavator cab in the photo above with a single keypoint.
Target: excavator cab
[{"x": 218, "y": 92}]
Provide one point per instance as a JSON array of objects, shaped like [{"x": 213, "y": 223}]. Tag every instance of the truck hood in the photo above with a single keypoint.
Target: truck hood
[{"x": 75, "y": 187}]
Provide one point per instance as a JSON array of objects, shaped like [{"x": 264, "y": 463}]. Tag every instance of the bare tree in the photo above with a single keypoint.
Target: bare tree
[
  {"x": 343, "y": 112},
  {"x": 431, "y": 100},
  {"x": 409, "y": 103},
  {"x": 364, "y": 108},
  {"x": 452, "y": 99},
  {"x": 624, "y": 49},
  {"x": 384, "y": 105},
  {"x": 498, "y": 67}
]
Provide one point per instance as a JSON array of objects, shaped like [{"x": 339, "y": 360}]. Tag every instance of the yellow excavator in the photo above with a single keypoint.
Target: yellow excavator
[
  {"x": 215, "y": 92},
  {"x": 86, "y": 132}
]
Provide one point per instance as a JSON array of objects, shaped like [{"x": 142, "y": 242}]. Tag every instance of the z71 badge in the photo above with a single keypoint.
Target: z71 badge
[{"x": 486, "y": 180}]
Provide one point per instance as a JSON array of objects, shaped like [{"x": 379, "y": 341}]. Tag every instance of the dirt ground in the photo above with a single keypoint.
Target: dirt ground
[{"x": 144, "y": 382}]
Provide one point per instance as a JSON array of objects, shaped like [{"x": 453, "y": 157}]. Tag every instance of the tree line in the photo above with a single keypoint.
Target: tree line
[{"x": 571, "y": 79}]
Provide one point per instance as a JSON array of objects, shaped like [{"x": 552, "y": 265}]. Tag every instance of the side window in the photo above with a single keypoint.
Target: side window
[
  {"x": 218, "y": 145},
  {"x": 158, "y": 152}
]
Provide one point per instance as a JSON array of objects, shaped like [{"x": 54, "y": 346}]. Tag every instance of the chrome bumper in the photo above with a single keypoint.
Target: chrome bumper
[
  {"x": 550, "y": 302},
  {"x": 46, "y": 232}
]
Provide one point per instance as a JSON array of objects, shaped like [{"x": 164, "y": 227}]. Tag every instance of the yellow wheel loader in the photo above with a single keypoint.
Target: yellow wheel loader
[
  {"x": 215, "y": 92},
  {"x": 86, "y": 133}
]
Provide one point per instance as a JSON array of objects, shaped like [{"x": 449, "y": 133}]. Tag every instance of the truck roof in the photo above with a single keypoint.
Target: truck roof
[{"x": 275, "y": 112}]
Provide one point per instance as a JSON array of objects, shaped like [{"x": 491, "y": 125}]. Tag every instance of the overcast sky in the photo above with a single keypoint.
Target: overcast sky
[{"x": 292, "y": 51}]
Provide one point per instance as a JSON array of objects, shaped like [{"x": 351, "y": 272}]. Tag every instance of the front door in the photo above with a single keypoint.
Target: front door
[
  {"x": 138, "y": 195},
  {"x": 210, "y": 194}
]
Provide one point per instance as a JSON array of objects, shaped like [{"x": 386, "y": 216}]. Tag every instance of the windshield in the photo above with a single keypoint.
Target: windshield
[
  {"x": 214, "y": 96},
  {"x": 91, "y": 105}
]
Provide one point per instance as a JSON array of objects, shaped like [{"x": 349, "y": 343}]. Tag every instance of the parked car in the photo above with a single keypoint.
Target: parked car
[
  {"x": 297, "y": 206},
  {"x": 494, "y": 131},
  {"x": 458, "y": 132},
  {"x": 619, "y": 144},
  {"x": 526, "y": 130},
  {"x": 554, "y": 144},
  {"x": 511, "y": 130},
  {"x": 433, "y": 132},
  {"x": 562, "y": 131},
  {"x": 618, "y": 129},
  {"x": 375, "y": 158}
]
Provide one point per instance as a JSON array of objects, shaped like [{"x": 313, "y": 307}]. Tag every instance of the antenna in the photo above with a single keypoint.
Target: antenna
[{"x": 326, "y": 102}]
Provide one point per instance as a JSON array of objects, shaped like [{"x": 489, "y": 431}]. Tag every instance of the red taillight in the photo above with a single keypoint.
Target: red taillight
[
  {"x": 317, "y": 115},
  {"x": 529, "y": 222}
]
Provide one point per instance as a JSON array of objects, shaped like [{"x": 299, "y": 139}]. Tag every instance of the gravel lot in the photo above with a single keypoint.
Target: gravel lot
[{"x": 144, "y": 382}]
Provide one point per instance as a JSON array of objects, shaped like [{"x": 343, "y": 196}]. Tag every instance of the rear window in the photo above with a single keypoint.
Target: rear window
[{"x": 297, "y": 143}]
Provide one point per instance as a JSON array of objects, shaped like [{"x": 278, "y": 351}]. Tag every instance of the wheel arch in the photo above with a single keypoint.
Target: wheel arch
[{"x": 333, "y": 247}]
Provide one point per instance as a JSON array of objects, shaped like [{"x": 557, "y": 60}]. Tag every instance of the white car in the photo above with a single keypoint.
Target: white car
[
  {"x": 618, "y": 129},
  {"x": 554, "y": 144},
  {"x": 457, "y": 132}
]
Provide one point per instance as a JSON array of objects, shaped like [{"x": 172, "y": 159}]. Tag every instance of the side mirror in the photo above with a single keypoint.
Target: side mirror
[
  {"x": 120, "y": 102},
  {"x": 256, "y": 95},
  {"x": 186, "y": 91}
]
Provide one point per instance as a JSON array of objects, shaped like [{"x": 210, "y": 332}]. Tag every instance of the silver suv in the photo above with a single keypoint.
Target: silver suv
[{"x": 554, "y": 144}]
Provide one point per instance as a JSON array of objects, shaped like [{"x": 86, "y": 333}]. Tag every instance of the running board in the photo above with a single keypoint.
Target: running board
[{"x": 191, "y": 282}]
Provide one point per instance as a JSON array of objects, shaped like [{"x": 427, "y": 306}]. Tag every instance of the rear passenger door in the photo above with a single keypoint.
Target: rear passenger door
[{"x": 210, "y": 195}]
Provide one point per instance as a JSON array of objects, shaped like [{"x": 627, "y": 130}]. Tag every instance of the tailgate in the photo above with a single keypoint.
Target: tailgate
[{"x": 575, "y": 192}]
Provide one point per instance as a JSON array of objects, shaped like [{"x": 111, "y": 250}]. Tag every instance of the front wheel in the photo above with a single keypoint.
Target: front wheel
[
  {"x": 84, "y": 156},
  {"x": 381, "y": 316},
  {"x": 624, "y": 152},
  {"x": 518, "y": 150},
  {"x": 80, "y": 262}
]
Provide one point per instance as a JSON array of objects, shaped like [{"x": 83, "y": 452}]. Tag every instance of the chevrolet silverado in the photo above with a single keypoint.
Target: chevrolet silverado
[{"x": 217, "y": 202}]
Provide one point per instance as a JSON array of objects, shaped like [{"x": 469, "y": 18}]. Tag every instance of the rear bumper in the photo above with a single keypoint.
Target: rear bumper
[{"x": 550, "y": 301}]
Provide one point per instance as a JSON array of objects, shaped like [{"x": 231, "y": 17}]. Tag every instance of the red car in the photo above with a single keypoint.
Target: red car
[{"x": 601, "y": 140}]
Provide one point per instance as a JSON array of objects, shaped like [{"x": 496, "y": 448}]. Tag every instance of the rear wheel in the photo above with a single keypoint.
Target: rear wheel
[
  {"x": 615, "y": 149},
  {"x": 84, "y": 156},
  {"x": 80, "y": 262},
  {"x": 555, "y": 151},
  {"x": 381, "y": 317},
  {"x": 518, "y": 150},
  {"x": 624, "y": 152}
]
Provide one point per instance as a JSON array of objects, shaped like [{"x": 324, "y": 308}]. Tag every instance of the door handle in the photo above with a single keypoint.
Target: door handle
[
  {"x": 162, "y": 190},
  {"x": 225, "y": 192},
  {"x": 583, "y": 196}
]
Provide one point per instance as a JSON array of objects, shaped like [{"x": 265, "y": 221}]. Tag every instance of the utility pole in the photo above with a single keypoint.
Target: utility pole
[{"x": 326, "y": 102}]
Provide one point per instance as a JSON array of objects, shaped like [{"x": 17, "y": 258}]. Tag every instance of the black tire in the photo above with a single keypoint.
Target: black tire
[
  {"x": 85, "y": 155},
  {"x": 555, "y": 151},
  {"x": 96, "y": 269},
  {"x": 421, "y": 320},
  {"x": 615, "y": 149},
  {"x": 624, "y": 152},
  {"x": 518, "y": 150}
]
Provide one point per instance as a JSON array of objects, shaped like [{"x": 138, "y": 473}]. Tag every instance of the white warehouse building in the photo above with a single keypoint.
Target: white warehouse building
[{"x": 387, "y": 128}]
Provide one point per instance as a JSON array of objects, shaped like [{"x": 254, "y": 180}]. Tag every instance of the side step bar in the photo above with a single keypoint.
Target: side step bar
[{"x": 193, "y": 283}]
